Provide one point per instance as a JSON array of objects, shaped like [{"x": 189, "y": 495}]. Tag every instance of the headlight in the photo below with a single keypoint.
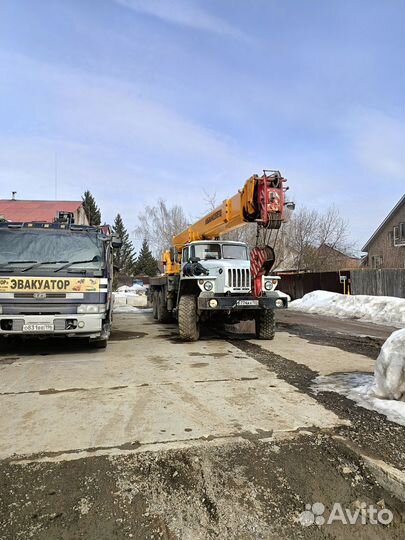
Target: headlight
[
  {"x": 208, "y": 285},
  {"x": 279, "y": 303},
  {"x": 91, "y": 308},
  {"x": 268, "y": 285},
  {"x": 213, "y": 303}
]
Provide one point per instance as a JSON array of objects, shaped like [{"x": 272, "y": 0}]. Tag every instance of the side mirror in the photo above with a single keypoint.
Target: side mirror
[
  {"x": 194, "y": 259},
  {"x": 290, "y": 205},
  {"x": 116, "y": 242}
]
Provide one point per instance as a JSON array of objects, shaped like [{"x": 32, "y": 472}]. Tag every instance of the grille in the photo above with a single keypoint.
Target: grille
[{"x": 239, "y": 278}]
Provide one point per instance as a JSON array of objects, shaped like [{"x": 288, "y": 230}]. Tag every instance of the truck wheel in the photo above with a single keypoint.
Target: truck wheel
[
  {"x": 162, "y": 314},
  {"x": 265, "y": 324},
  {"x": 189, "y": 328},
  {"x": 155, "y": 304}
]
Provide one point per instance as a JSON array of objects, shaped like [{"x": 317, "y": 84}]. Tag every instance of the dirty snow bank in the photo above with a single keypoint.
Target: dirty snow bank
[
  {"x": 385, "y": 392},
  {"x": 379, "y": 309}
]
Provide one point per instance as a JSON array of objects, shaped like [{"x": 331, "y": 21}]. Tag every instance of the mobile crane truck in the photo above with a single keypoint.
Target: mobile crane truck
[
  {"x": 208, "y": 279},
  {"x": 56, "y": 279}
]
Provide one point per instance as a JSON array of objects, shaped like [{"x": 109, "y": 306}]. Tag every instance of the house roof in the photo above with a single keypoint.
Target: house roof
[
  {"x": 19, "y": 210},
  {"x": 396, "y": 207},
  {"x": 338, "y": 251}
]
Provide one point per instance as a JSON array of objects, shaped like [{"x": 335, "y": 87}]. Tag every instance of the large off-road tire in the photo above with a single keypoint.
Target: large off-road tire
[
  {"x": 163, "y": 315},
  {"x": 189, "y": 327},
  {"x": 265, "y": 324},
  {"x": 155, "y": 299}
]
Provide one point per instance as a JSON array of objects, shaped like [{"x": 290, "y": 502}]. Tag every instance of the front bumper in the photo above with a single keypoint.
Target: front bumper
[
  {"x": 84, "y": 325},
  {"x": 242, "y": 302}
]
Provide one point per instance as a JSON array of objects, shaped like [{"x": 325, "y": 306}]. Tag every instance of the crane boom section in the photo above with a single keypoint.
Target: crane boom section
[
  {"x": 224, "y": 218},
  {"x": 260, "y": 200}
]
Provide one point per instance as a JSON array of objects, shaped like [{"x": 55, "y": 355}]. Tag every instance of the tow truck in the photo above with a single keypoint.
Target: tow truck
[
  {"x": 56, "y": 279},
  {"x": 207, "y": 279}
]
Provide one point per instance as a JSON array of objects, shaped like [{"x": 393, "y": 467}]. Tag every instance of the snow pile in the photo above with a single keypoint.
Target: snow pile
[
  {"x": 379, "y": 309},
  {"x": 129, "y": 299},
  {"x": 385, "y": 392},
  {"x": 389, "y": 374},
  {"x": 132, "y": 290}
]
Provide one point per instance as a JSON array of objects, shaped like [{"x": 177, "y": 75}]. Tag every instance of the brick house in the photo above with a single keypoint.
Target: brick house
[
  {"x": 330, "y": 259},
  {"x": 20, "y": 210},
  {"x": 386, "y": 248}
]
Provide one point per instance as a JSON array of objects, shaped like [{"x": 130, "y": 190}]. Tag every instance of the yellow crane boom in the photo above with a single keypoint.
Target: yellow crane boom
[{"x": 261, "y": 200}]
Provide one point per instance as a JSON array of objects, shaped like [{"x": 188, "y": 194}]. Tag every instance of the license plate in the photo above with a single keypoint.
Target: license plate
[
  {"x": 247, "y": 302},
  {"x": 38, "y": 327}
]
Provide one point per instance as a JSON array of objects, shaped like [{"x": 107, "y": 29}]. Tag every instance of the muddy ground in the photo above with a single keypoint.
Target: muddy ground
[
  {"x": 238, "y": 490},
  {"x": 241, "y": 484}
]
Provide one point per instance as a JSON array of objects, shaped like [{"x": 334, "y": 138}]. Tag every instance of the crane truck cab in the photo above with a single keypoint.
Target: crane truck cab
[
  {"x": 215, "y": 284},
  {"x": 56, "y": 280}
]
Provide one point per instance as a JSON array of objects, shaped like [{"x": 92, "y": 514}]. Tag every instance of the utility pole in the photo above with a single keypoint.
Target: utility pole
[{"x": 56, "y": 176}]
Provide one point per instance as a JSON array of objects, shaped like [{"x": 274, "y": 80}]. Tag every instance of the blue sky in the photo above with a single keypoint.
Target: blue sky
[{"x": 140, "y": 99}]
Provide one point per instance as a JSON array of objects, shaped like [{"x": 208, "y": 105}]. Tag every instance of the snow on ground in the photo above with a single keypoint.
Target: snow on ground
[
  {"x": 385, "y": 392},
  {"x": 131, "y": 290},
  {"x": 131, "y": 309},
  {"x": 129, "y": 299},
  {"x": 379, "y": 309},
  {"x": 357, "y": 387}
]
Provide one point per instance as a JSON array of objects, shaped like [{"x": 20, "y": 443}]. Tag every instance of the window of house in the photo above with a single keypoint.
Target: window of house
[
  {"x": 377, "y": 261},
  {"x": 402, "y": 232},
  {"x": 399, "y": 234}
]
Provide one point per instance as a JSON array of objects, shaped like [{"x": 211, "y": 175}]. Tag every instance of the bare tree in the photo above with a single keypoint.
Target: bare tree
[
  {"x": 210, "y": 200},
  {"x": 158, "y": 224},
  {"x": 332, "y": 229},
  {"x": 307, "y": 240},
  {"x": 316, "y": 241},
  {"x": 301, "y": 235}
]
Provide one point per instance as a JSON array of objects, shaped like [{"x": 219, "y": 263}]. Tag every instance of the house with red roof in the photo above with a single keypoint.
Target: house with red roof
[{"x": 24, "y": 210}]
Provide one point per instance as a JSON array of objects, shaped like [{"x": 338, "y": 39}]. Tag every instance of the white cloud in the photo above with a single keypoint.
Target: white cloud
[
  {"x": 184, "y": 13},
  {"x": 126, "y": 149}
]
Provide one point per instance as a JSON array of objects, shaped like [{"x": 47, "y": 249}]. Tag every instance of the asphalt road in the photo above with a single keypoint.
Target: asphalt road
[
  {"x": 224, "y": 438},
  {"x": 332, "y": 324}
]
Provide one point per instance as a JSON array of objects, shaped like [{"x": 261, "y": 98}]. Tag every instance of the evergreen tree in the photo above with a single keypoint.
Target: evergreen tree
[
  {"x": 124, "y": 258},
  {"x": 146, "y": 264},
  {"x": 92, "y": 210}
]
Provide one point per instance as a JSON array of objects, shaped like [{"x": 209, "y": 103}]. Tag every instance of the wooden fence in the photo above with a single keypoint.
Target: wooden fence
[
  {"x": 385, "y": 282},
  {"x": 300, "y": 283}
]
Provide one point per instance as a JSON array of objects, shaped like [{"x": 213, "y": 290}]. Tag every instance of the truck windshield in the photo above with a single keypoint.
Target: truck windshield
[
  {"x": 21, "y": 249},
  {"x": 232, "y": 251},
  {"x": 213, "y": 251},
  {"x": 206, "y": 251}
]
